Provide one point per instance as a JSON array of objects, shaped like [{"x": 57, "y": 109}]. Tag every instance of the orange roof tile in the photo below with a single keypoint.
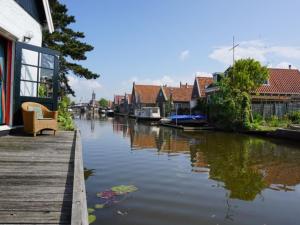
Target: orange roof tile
[
  {"x": 146, "y": 93},
  {"x": 179, "y": 94},
  {"x": 203, "y": 83},
  {"x": 282, "y": 81}
]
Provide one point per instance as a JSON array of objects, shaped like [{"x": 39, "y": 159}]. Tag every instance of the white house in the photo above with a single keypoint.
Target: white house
[{"x": 28, "y": 72}]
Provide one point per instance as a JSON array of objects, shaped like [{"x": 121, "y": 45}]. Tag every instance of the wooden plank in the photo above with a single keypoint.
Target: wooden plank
[
  {"x": 35, "y": 206},
  {"x": 79, "y": 204},
  {"x": 45, "y": 159},
  {"x": 32, "y": 197},
  {"x": 36, "y": 189},
  {"x": 33, "y": 217}
]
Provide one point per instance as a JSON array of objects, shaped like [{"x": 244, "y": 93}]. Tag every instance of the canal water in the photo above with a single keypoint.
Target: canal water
[{"x": 204, "y": 178}]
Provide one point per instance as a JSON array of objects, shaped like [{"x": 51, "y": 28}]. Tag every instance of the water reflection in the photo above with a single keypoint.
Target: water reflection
[{"x": 244, "y": 165}]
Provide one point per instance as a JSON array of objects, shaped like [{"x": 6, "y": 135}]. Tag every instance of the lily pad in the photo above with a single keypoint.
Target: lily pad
[
  {"x": 92, "y": 219},
  {"x": 124, "y": 189},
  {"x": 99, "y": 206},
  {"x": 91, "y": 210}
]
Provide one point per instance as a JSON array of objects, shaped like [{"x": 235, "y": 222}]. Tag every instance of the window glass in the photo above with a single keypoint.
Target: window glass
[
  {"x": 46, "y": 75},
  {"x": 47, "y": 61},
  {"x": 29, "y": 73},
  {"x": 30, "y": 57},
  {"x": 36, "y": 75},
  {"x": 45, "y": 90},
  {"x": 28, "y": 89}
]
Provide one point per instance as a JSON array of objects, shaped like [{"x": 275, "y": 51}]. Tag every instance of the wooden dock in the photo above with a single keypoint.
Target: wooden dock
[{"x": 41, "y": 179}]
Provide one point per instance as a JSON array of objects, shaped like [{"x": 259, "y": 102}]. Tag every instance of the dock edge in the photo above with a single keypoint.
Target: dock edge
[{"x": 79, "y": 203}]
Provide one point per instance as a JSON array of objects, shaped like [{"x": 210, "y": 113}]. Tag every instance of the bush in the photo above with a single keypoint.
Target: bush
[
  {"x": 294, "y": 117},
  {"x": 64, "y": 116}
]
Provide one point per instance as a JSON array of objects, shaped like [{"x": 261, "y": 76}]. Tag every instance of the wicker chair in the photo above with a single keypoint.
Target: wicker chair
[{"x": 33, "y": 124}]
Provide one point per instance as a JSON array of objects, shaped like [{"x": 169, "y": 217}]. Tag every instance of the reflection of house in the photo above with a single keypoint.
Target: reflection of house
[
  {"x": 144, "y": 95},
  {"x": 27, "y": 71},
  {"x": 200, "y": 84},
  {"x": 174, "y": 145},
  {"x": 143, "y": 137},
  {"x": 171, "y": 99}
]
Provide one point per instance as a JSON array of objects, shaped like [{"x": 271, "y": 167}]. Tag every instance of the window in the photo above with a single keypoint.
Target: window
[
  {"x": 266, "y": 82},
  {"x": 37, "y": 70}
]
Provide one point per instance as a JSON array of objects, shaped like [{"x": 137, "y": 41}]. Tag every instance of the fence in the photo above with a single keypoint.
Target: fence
[{"x": 275, "y": 109}]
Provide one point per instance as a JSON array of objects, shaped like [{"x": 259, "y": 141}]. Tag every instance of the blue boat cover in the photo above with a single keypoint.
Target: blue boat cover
[{"x": 188, "y": 117}]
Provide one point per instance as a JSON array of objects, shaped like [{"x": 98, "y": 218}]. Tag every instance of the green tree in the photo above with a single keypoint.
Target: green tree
[
  {"x": 70, "y": 45},
  {"x": 231, "y": 105},
  {"x": 103, "y": 103}
]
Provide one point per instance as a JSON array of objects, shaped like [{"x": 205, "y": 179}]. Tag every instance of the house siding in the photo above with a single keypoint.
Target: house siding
[{"x": 19, "y": 23}]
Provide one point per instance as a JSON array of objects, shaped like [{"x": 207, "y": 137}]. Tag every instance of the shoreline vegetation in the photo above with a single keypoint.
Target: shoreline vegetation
[{"x": 229, "y": 108}]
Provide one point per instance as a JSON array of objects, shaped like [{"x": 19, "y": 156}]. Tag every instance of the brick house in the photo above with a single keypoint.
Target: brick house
[
  {"x": 279, "y": 95},
  {"x": 178, "y": 97},
  {"x": 200, "y": 84},
  {"x": 144, "y": 96}
]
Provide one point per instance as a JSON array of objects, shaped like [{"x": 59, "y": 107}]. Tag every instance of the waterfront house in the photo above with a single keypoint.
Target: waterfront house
[
  {"x": 27, "y": 71},
  {"x": 144, "y": 96},
  {"x": 200, "y": 84},
  {"x": 125, "y": 104},
  {"x": 279, "y": 95},
  {"x": 118, "y": 100},
  {"x": 174, "y": 100}
]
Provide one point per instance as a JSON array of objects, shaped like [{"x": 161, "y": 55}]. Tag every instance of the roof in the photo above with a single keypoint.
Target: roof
[
  {"x": 282, "y": 81},
  {"x": 179, "y": 94},
  {"x": 203, "y": 83},
  {"x": 39, "y": 10},
  {"x": 146, "y": 93}
]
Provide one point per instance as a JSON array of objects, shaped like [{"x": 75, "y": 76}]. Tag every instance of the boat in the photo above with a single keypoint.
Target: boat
[
  {"x": 188, "y": 120},
  {"x": 147, "y": 114},
  {"x": 110, "y": 113}
]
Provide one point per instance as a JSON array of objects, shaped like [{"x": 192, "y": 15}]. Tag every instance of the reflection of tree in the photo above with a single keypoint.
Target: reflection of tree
[{"x": 230, "y": 162}]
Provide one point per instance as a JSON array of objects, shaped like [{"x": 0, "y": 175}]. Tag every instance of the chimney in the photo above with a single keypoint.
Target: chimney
[{"x": 290, "y": 67}]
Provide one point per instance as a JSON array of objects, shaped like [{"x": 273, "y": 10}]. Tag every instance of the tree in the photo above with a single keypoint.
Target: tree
[
  {"x": 231, "y": 105},
  {"x": 103, "y": 103},
  {"x": 69, "y": 43}
]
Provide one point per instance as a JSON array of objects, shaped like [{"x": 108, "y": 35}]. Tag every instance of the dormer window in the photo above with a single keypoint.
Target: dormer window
[{"x": 266, "y": 83}]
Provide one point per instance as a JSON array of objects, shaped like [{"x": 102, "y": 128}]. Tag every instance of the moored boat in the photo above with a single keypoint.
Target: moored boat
[{"x": 147, "y": 114}]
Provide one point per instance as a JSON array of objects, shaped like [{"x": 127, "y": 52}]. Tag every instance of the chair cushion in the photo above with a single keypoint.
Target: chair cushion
[{"x": 37, "y": 110}]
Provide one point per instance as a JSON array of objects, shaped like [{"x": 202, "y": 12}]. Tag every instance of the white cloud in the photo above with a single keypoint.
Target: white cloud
[
  {"x": 184, "y": 55},
  {"x": 258, "y": 50},
  {"x": 285, "y": 65},
  {"x": 164, "y": 80},
  {"x": 83, "y": 88},
  {"x": 203, "y": 74}
]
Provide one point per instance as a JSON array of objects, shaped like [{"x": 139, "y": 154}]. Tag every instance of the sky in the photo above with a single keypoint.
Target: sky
[{"x": 168, "y": 41}]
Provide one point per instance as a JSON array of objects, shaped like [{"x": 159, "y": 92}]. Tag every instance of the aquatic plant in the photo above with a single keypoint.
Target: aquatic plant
[
  {"x": 99, "y": 206},
  {"x": 92, "y": 218},
  {"x": 124, "y": 189},
  {"x": 91, "y": 210}
]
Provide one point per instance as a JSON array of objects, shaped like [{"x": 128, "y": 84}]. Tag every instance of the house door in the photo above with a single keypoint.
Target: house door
[
  {"x": 2, "y": 79},
  {"x": 36, "y": 78}
]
